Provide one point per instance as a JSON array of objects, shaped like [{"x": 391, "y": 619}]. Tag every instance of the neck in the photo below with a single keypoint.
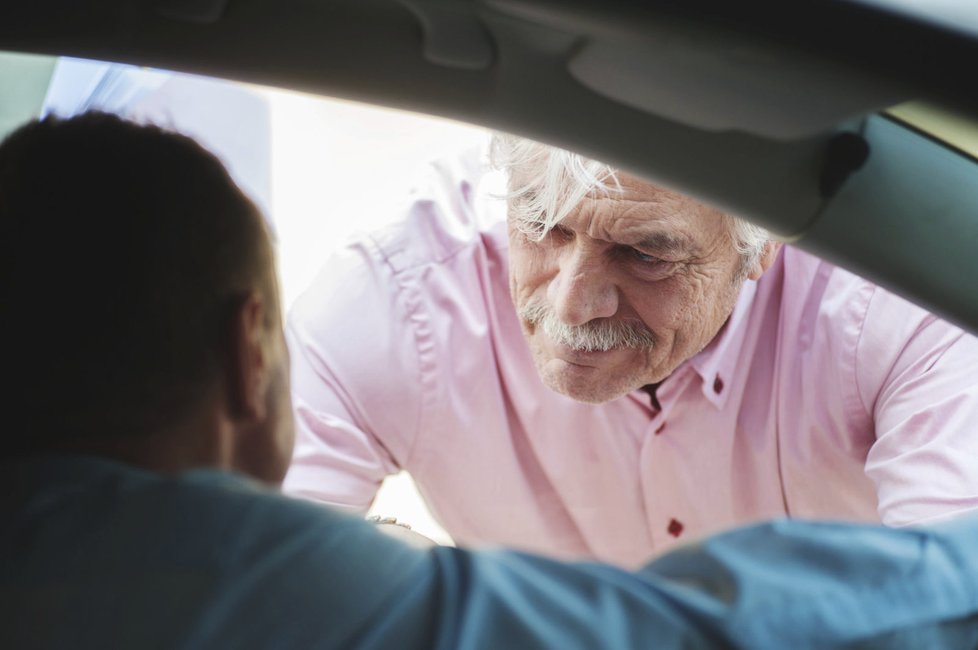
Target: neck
[{"x": 197, "y": 444}]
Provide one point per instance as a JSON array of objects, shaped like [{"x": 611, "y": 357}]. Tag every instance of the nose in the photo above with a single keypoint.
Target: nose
[{"x": 583, "y": 288}]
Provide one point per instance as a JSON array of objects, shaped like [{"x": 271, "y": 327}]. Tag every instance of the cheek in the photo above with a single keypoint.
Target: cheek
[
  {"x": 662, "y": 306},
  {"x": 706, "y": 307},
  {"x": 530, "y": 267},
  {"x": 284, "y": 434}
]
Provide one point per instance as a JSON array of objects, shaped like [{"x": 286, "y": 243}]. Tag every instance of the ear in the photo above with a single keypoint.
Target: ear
[
  {"x": 249, "y": 366},
  {"x": 765, "y": 260}
]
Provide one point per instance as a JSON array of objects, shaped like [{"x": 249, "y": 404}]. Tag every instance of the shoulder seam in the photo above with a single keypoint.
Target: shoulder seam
[{"x": 426, "y": 394}]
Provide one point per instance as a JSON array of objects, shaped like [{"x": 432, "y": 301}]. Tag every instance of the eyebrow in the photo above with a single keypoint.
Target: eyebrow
[{"x": 665, "y": 243}]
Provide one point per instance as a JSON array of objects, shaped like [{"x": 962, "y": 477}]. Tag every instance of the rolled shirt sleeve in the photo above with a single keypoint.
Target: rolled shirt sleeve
[{"x": 786, "y": 584}]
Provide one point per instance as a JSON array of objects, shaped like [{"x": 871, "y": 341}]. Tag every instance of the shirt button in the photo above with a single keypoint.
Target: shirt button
[
  {"x": 661, "y": 428},
  {"x": 675, "y": 527},
  {"x": 717, "y": 385}
]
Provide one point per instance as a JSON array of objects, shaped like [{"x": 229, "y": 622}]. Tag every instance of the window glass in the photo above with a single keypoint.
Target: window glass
[
  {"x": 323, "y": 170},
  {"x": 951, "y": 127},
  {"x": 959, "y": 15}
]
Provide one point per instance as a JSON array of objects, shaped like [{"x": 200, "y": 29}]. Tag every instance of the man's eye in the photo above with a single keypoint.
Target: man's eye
[{"x": 643, "y": 257}]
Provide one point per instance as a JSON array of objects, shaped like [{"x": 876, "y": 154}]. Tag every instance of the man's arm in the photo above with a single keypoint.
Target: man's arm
[
  {"x": 789, "y": 584},
  {"x": 922, "y": 391},
  {"x": 355, "y": 383},
  {"x": 371, "y": 338}
]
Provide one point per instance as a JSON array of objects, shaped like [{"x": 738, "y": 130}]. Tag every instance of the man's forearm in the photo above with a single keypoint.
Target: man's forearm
[{"x": 782, "y": 585}]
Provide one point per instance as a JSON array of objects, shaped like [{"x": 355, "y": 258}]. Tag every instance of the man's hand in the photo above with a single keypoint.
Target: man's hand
[{"x": 391, "y": 526}]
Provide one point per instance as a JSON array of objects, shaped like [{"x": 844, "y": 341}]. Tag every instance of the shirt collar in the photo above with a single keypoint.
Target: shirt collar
[{"x": 718, "y": 361}]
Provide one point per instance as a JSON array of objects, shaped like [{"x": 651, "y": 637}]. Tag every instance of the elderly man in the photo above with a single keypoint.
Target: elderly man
[
  {"x": 617, "y": 368},
  {"x": 150, "y": 371}
]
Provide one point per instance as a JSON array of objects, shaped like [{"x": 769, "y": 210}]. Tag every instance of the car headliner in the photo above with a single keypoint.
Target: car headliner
[{"x": 766, "y": 110}]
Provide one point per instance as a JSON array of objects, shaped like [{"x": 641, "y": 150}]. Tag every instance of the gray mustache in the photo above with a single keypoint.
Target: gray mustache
[{"x": 599, "y": 335}]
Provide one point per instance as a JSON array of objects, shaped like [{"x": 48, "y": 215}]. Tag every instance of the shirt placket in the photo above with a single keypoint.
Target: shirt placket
[{"x": 664, "y": 523}]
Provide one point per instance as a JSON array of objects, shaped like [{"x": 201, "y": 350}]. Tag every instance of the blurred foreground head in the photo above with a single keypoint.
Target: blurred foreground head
[{"x": 140, "y": 304}]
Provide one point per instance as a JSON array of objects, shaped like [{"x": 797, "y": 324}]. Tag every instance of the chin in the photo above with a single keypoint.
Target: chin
[{"x": 595, "y": 391}]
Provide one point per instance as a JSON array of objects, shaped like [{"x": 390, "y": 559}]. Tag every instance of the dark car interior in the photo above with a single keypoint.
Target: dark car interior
[{"x": 775, "y": 113}]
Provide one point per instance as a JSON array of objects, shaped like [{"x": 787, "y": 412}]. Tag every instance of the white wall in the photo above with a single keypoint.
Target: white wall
[{"x": 337, "y": 167}]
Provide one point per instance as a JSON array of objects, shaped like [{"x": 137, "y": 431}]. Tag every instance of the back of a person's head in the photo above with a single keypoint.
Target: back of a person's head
[{"x": 124, "y": 249}]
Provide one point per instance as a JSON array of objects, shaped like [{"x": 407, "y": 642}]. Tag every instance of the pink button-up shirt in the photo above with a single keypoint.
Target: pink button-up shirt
[{"x": 823, "y": 396}]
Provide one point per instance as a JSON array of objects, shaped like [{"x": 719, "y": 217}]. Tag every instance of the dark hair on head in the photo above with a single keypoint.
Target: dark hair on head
[{"x": 125, "y": 248}]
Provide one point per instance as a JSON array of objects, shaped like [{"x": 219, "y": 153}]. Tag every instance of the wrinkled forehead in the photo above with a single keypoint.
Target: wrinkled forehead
[
  {"x": 550, "y": 186},
  {"x": 639, "y": 211}
]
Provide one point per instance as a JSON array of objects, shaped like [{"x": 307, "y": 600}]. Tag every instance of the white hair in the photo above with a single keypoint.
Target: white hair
[{"x": 546, "y": 183}]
